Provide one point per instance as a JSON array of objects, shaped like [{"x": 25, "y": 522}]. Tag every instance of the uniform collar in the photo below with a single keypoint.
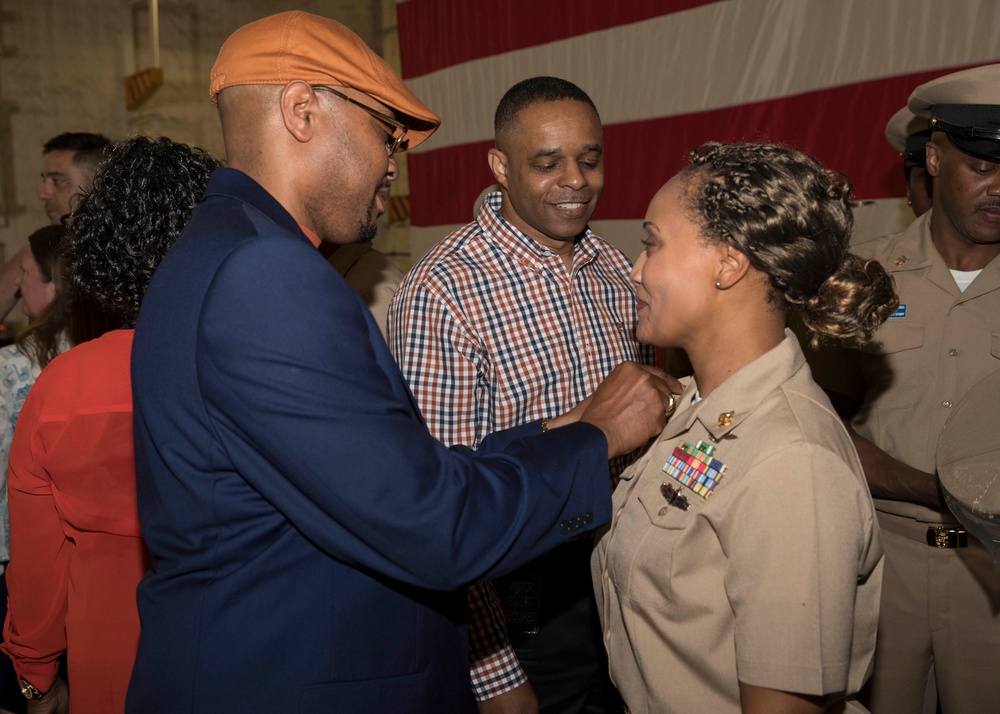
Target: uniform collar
[
  {"x": 729, "y": 405},
  {"x": 914, "y": 250},
  {"x": 732, "y": 402}
]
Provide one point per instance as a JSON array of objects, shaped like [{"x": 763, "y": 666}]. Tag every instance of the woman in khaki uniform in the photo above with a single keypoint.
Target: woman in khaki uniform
[{"x": 742, "y": 569}]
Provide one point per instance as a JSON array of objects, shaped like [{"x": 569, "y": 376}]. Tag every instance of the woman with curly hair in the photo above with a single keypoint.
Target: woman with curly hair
[
  {"x": 77, "y": 552},
  {"x": 742, "y": 568}
]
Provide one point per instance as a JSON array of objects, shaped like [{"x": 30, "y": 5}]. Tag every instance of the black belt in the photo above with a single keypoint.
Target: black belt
[{"x": 945, "y": 537}]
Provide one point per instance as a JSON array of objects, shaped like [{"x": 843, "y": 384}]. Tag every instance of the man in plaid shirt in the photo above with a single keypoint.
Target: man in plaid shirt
[{"x": 519, "y": 316}]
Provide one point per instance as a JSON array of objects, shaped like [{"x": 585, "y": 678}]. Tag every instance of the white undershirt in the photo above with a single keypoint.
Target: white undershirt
[{"x": 964, "y": 278}]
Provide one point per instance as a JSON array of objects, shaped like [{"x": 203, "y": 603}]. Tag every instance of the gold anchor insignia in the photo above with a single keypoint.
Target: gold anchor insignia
[
  {"x": 726, "y": 418},
  {"x": 900, "y": 261}
]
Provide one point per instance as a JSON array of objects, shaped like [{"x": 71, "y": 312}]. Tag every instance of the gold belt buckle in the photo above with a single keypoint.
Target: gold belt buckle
[{"x": 945, "y": 537}]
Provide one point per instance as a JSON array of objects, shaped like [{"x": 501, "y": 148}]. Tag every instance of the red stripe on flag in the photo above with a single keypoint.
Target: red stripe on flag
[
  {"x": 842, "y": 126},
  {"x": 439, "y": 33}
]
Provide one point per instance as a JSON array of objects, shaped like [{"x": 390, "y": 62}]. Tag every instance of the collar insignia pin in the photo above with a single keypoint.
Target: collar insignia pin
[
  {"x": 900, "y": 261},
  {"x": 726, "y": 419}
]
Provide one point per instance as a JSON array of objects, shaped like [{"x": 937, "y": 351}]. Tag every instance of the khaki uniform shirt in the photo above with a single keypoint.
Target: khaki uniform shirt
[
  {"x": 923, "y": 360},
  {"x": 773, "y": 580},
  {"x": 372, "y": 275}
]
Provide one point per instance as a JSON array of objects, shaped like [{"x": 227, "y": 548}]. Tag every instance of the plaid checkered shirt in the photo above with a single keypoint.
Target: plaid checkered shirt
[{"x": 492, "y": 331}]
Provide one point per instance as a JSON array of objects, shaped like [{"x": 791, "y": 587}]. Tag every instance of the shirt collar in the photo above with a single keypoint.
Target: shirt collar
[
  {"x": 310, "y": 234},
  {"x": 523, "y": 247}
]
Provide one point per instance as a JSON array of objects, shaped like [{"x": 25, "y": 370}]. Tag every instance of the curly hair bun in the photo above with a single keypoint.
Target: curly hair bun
[{"x": 852, "y": 302}]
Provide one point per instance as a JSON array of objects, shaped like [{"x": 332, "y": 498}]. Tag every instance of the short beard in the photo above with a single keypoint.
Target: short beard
[{"x": 368, "y": 227}]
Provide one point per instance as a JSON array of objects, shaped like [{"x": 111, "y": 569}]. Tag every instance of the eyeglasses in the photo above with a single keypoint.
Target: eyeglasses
[{"x": 397, "y": 130}]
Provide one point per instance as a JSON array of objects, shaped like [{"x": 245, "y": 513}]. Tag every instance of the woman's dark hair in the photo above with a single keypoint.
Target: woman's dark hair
[
  {"x": 40, "y": 341},
  {"x": 791, "y": 217},
  {"x": 143, "y": 195}
]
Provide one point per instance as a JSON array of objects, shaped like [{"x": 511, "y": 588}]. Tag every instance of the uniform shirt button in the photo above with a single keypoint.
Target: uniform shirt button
[
  {"x": 946, "y": 404},
  {"x": 953, "y": 353}
]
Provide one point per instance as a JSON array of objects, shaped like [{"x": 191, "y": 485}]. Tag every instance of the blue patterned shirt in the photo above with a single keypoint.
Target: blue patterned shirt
[{"x": 17, "y": 374}]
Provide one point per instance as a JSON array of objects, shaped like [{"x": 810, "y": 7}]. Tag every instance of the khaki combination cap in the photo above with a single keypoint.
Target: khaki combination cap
[
  {"x": 968, "y": 450},
  {"x": 299, "y": 46},
  {"x": 908, "y": 134},
  {"x": 968, "y": 462},
  {"x": 966, "y": 106}
]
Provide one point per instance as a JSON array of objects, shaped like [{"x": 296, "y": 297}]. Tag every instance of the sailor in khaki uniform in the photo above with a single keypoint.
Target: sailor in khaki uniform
[
  {"x": 742, "y": 568},
  {"x": 783, "y": 559},
  {"x": 908, "y": 134},
  {"x": 940, "y": 617}
]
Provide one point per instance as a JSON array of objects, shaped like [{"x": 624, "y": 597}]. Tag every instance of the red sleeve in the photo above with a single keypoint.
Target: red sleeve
[{"x": 37, "y": 577}]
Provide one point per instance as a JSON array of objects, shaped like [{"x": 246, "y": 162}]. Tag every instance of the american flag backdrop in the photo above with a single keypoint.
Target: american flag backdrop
[{"x": 667, "y": 75}]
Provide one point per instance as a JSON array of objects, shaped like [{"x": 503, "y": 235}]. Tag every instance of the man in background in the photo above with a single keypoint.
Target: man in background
[
  {"x": 69, "y": 162},
  {"x": 518, "y": 316},
  {"x": 908, "y": 134},
  {"x": 939, "y": 623}
]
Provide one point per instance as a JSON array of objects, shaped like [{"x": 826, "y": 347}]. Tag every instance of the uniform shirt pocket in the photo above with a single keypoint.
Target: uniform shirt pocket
[
  {"x": 893, "y": 354},
  {"x": 655, "y": 530},
  {"x": 995, "y": 345}
]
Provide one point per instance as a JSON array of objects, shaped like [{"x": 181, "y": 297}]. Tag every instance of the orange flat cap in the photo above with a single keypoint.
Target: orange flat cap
[{"x": 296, "y": 45}]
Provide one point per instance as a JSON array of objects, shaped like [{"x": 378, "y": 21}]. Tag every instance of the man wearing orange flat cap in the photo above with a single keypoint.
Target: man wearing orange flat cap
[
  {"x": 309, "y": 539},
  {"x": 939, "y": 622}
]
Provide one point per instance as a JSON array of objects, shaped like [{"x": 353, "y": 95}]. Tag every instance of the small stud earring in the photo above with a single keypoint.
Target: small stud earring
[{"x": 718, "y": 285}]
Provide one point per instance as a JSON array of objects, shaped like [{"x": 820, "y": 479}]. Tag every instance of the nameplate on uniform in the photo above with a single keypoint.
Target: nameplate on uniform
[{"x": 900, "y": 311}]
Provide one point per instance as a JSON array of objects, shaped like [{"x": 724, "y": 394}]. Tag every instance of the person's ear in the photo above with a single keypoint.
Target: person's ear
[
  {"x": 299, "y": 105},
  {"x": 933, "y": 158},
  {"x": 733, "y": 265},
  {"x": 498, "y": 165}
]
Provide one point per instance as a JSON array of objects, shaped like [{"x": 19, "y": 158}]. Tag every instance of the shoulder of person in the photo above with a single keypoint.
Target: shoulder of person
[
  {"x": 884, "y": 247},
  {"x": 451, "y": 258}
]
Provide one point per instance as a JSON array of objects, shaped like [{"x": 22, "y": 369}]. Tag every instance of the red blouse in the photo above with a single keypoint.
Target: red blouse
[{"x": 76, "y": 549}]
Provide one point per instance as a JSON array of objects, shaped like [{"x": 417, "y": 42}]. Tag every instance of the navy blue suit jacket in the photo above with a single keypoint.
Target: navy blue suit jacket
[{"x": 307, "y": 534}]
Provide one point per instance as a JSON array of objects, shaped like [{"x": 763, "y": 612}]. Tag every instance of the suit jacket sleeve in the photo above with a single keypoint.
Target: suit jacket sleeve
[
  {"x": 311, "y": 410},
  {"x": 447, "y": 370}
]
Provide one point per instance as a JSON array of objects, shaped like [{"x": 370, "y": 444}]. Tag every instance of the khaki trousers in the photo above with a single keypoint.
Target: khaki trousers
[{"x": 939, "y": 624}]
